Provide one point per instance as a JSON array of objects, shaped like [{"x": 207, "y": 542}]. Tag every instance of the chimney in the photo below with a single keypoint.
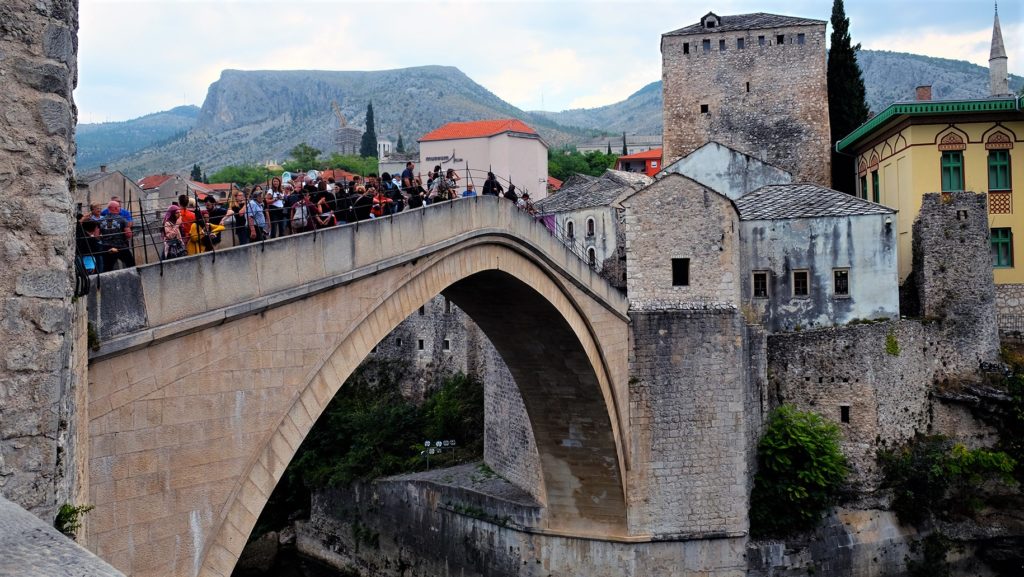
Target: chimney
[
  {"x": 924, "y": 92},
  {"x": 103, "y": 168}
]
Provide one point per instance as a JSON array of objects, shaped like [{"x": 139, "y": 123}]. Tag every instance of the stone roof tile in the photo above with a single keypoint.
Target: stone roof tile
[
  {"x": 755, "y": 21},
  {"x": 582, "y": 191},
  {"x": 803, "y": 200}
]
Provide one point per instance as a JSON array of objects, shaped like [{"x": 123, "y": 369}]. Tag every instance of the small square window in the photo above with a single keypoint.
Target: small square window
[
  {"x": 447, "y": 305},
  {"x": 748, "y": 87},
  {"x": 703, "y": 108},
  {"x": 841, "y": 282},
  {"x": 760, "y": 284},
  {"x": 706, "y": 45},
  {"x": 446, "y": 345},
  {"x": 654, "y": 164},
  {"x": 740, "y": 43},
  {"x": 844, "y": 413},
  {"x": 423, "y": 310},
  {"x": 398, "y": 342},
  {"x": 760, "y": 40},
  {"x": 721, "y": 45},
  {"x": 419, "y": 345},
  {"x": 800, "y": 38},
  {"x": 780, "y": 39},
  {"x": 680, "y": 272},
  {"x": 801, "y": 283},
  {"x": 686, "y": 47}
]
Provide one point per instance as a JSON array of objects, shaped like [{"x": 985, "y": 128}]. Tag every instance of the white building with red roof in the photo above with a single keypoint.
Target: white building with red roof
[{"x": 508, "y": 147}]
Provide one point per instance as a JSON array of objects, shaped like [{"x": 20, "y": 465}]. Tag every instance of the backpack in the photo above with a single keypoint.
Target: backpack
[{"x": 300, "y": 220}]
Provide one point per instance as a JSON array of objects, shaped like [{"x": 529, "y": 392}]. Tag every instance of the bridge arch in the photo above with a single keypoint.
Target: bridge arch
[{"x": 564, "y": 343}]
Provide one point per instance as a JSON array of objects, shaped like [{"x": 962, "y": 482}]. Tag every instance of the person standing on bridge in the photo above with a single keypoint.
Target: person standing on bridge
[
  {"x": 491, "y": 186},
  {"x": 255, "y": 217}
]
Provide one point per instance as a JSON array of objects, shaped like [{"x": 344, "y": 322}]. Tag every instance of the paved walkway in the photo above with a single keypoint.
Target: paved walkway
[{"x": 31, "y": 548}]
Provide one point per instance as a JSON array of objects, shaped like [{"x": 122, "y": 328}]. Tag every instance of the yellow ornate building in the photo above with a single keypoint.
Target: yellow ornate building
[{"x": 926, "y": 145}]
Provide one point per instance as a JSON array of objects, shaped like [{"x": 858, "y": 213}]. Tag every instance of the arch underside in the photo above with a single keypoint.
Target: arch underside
[{"x": 535, "y": 321}]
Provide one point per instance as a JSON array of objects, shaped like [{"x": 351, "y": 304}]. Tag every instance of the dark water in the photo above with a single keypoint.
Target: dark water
[{"x": 291, "y": 563}]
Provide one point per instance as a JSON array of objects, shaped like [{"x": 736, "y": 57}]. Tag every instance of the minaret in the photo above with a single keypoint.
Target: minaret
[{"x": 998, "y": 77}]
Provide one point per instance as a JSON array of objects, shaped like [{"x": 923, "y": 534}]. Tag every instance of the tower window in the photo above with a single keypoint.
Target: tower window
[
  {"x": 780, "y": 39},
  {"x": 740, "y": 44},
  {"x": 800, "y": 38},
  {"x": 570, "y": 229},
  {"x": 686, "y": 47},
  {"x": 398, "y": 342},
  {"x": 844, "y": 413},
  {"x": 706, "y": 46},
  {"x": 721, "y": 45},
  {"x": 447, "y": 305},
  {"x": 419, "y": 345},
  {"x": 446, "y": 345},
  {"x": 680, "y": 272},
  {"x": 760, "y": 40},
  {"x": 748, "y": 87},
  {"x": 591, "y": 227},
  {"x": 591, "y": 257},
  {"x": 703, "y": 108}
]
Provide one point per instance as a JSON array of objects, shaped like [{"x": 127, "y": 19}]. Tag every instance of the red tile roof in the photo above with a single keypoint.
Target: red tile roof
[
  {"x": 654, "y": 154},
  {"x": 218, "y": 185},
  {"x": 337, "y": 174},
  {"x": 477, "y": 129},
  {"x": 554, "y": 183},
  {"x": 154, "y": 181}
]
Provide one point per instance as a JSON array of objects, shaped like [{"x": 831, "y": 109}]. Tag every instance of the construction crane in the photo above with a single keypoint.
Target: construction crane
[{"x": 342, "y": 123}]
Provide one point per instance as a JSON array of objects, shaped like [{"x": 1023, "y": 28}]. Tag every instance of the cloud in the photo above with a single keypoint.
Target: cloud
[{"x": 972, "y": 46}]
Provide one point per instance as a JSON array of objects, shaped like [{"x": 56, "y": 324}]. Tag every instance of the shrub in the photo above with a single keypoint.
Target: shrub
[
  {"x": 69, "y": 518},
  {"x": 935, "y": 477},
  {"x": 800, "y": 470}
]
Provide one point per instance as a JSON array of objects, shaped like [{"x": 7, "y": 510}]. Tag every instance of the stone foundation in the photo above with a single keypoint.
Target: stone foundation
[{"x": 1010, "y": 309}]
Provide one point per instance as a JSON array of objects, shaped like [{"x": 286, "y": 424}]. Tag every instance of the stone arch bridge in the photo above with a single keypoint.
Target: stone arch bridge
[{"x": 210, "y": 372}]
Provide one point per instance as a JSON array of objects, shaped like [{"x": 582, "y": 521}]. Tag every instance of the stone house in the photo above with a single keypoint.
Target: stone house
[
  {"x": 634, "y": 143},
  {"x": 101, "y": 186},
  {"x": 160, "y": 190},
  {"x": 727, "y": 170},
  {"x": 755, "y": 82},
  {"x": 814, "y": 256},
  {"x": 587, "y": 217},
  {"x": 507, "y": 147}
]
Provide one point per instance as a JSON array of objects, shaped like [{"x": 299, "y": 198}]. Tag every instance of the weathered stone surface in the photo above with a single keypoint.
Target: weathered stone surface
[
  {"x": 56, "y": 116},
  {"x": 51, "y": 284},
  {"x": 59, "y": 44},
  {"x": 44, "y": 77},
  {"x": 769, "y": 101}
]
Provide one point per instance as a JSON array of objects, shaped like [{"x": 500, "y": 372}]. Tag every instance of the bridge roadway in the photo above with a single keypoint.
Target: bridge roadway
[{"x": 210, "y": 370}]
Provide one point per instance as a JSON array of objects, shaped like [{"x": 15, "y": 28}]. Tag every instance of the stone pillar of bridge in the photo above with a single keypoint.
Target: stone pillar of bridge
[
  {"x": 695, "y": 369},
  {"x": 38, "y": 71}
]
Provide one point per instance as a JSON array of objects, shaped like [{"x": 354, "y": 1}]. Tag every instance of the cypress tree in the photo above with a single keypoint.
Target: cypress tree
[
  {"x": 847, "y": 104},
  {"x": 625, "y": 150},
  {"x": 400, "y": 147},
  {"x": 368, "y": 144},
  {"x": 609, "y": 153}
]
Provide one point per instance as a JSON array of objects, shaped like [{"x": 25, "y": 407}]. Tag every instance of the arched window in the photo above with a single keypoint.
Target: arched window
[
  {"x": 570, "y": 229},
  {"x": 592, "y": 256},
  {"x": 590, "y": 227}
]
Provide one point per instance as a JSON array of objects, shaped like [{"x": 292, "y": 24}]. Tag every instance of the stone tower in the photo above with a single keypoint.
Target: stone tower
[
  {"x": 754, "y": 82},
  {"x": 998, "y": 78}
]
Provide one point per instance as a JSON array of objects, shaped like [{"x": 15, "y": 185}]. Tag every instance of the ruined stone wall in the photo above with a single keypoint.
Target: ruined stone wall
[
  {"x": 677, "y": 218},
  {"x": 38, "y": 71},
  {"x": 690, "y": 413},
  {"x": 769, "y": 101},
  {"x": 886, "y": 394},
  {"x": 952, "y": 271}
]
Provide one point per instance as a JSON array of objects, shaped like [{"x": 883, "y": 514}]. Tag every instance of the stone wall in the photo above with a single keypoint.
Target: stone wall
[
  {"x": 694, "y": 418},
  {"x": 770, "y": 101},
  {"x": 397, "y": 528},
  {"x": 952, "y": 271},
  {"x": 886, "y": 394},
  {"x": 38, "y": 68},
  {"x": 1010, "y": 308},
  {"x": 677, "y": 218}
]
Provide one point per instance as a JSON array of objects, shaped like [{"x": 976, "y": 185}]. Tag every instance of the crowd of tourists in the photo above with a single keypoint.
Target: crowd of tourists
[{"x": 290, "y": 205}]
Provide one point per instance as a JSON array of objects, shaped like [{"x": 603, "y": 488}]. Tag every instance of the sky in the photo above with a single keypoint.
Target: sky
[{"x": 142, "y": 56}]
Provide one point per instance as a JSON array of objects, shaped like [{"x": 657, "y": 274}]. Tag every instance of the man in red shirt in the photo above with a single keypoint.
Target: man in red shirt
[{"x": 187, "y": 216}]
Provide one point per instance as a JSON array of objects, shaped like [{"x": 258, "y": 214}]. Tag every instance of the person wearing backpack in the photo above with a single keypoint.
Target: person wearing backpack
[{"x": 302, "y": 214}]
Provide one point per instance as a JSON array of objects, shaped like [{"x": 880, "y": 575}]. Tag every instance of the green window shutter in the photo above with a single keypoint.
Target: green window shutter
[
  {"x": 952, "y": 171},
  {"x": 999, "y": 170},
  {"x": 1002, "y": 247},
  {"x": 876, "y": 191},
  {"x": 864, "y": 187}
]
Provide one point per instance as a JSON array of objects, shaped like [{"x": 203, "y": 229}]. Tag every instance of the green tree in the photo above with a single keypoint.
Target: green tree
[
  {"x": 355, "y": 164},
  {"x": 562, "y": 165},
  {"x": 847, "y": 104},
  {"x": 197, "y": 173},
  {"x": 242, "y": 174},
  {"x": 400, "y": 147},
  {"x": 609, "y": 153},
  {"x": 368, "y": 145},
  {"x": 800, "y": 470},
  {"x": 625, "y": 149},
  {"x": 306, "y": 156}
]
